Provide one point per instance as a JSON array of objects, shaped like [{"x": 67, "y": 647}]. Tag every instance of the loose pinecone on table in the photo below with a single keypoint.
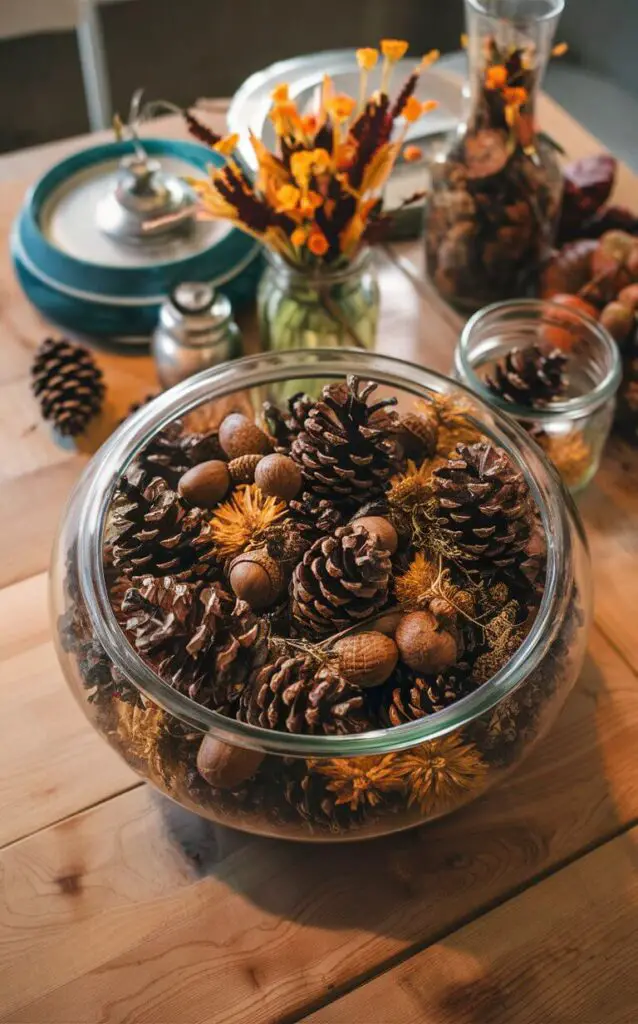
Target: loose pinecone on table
[{"x": 68, "y": 385}]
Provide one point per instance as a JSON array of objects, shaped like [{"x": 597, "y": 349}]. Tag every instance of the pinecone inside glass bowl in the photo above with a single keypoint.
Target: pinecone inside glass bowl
[{"x": 363, "y": 637}]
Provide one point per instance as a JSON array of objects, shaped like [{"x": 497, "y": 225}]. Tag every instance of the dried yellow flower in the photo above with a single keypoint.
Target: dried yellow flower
[
  {"x": 571, "y": 454},
  {"x": 240, "y": 522},
  {"x": 361, "y": 781},
  {"x": 414, "y": 587},
  {"x": 412, "y": 487},
  {"x": 425, "y": 580},
  {"x": 138, "y": 731},
  {"x": 441, "y": 773}
]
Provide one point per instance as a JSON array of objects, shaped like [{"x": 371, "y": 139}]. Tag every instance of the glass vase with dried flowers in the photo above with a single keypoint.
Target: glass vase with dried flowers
[
  {"x": 496, "y": 184},
  {"x": 316, "y": 203}
]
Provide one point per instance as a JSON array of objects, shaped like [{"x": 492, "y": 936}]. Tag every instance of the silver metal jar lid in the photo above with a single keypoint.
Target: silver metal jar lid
[{"x": 193, "y": 311}]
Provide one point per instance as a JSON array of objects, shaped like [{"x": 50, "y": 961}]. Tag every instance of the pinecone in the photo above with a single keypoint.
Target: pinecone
[
  {"x": 313, "y": 516},
  {"x": 242, "y": 470},
  {"x": 408, "y": 696},
  {"x": 341, "y": 580},
  {"x": 482, "y": 508},
  {"x": 68, "y": 385},
  {"x": 308, "y": 795},
  {"x": 152, "y": 532},
  {"x": 97, "y": 672},
  {"x": 199, "y": 638},
  {"x": 292, "y": 695},
  {"x": 283, "y": 426},
  {"x": 530, "y": 377},
  {"x": 286, "y": 544},
  {"x": 344, "y": 454},
  {"x": 171, "y": 452}
]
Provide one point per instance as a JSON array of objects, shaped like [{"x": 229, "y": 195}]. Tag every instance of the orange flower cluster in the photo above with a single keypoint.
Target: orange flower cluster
[
  {"x": 511, "y": 75},
  {"x": 315, "y": 198}
]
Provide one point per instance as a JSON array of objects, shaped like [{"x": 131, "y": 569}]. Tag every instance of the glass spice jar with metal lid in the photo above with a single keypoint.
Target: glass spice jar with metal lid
[
  {"x": 195, "y": 331},
  {"x": 551, "y": 367},
  {"x": 282, "y": 743}
]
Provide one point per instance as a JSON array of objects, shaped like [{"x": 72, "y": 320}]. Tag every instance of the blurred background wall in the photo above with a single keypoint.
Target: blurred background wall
[{"x": 183, "y": 49}]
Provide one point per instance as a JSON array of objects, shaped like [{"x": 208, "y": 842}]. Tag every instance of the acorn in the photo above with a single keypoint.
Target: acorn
[
  {"x": 206, "y": 484},
  {"x": 367, "y": 659},
  {"x": 278, "y": 476},
  {"x": 423, "y": 646},
  {"x": 256, "y": 578},
  {"x": 239, "y": 435},
  {"x": 223, "y": 766},
  {"x": 242, "y": 470},
  {"x": 382, "y": 529},
  {"x": 629, "y": 297},
  {"x": 619, "y": 320}
]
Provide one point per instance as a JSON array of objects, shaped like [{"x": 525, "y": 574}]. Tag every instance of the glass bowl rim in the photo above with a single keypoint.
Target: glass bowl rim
[
  {"x": 572, "y": 408},
  {"x": 95, "y": 490}
]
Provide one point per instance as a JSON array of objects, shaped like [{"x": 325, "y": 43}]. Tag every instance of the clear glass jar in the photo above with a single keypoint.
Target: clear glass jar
[
  {"x": 573, "y": 430},
  {"x": 495, "y": 191},
  {"x": 326, "y": 309},
  {"x": 301, "y": 786}
]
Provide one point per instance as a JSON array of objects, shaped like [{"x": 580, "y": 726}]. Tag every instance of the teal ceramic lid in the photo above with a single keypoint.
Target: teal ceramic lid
[{"x": 82, "y": 231}]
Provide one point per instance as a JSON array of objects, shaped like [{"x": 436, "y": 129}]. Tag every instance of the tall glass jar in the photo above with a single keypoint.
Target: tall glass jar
[
  {"x": 496, "y": 184},
  {"x": 319, "y": 787},
  {"x": 318, "y": 309},
  {"x": 573, "y": 429}
]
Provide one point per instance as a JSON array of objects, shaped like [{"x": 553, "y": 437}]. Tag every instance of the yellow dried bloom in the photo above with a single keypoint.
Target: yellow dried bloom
[
  {"x": 412, "y": 487},
  {"x": 367, "y": 57},
  {"x": 394, "y": 49},
  {"x": 240, "y": 522},
  {"x": 571, "y": 454},
  {"x": 138, "y": 731},
  {"x": 414, "y": 586},
  {"x": 441, "y": 773},
  {"x": 361, "y": 781}
]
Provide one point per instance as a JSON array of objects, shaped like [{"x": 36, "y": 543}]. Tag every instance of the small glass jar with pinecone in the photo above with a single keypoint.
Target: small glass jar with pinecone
[
  {"x": 552, "y": 368},
  {"x": 330, "y": 618}
]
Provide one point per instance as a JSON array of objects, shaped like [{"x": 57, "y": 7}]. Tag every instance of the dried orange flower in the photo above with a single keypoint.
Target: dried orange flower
[
  {"x": 317, "y": 243},
  {"x": 428, "y": 59},
  {"x": 226, "y": 145},
  {"x": 416, "y": 582},
  {"x": 280, "y": 93},
  {"x": 309, "y": 124},
  {"x": 298, "y": 237},
  {"x": 358, "y": 781},
  {"x": 394, "y": 49},
  {"x": 515, "y": 96},
  {"x": 341, "y": 107},
  {"x": 287, "y": 197},
  {"x": 412, "y": 153},
  {"x": 496, "y": 77},
  {"x": 240, "y": 522},
  {"x": 310, "y": 202},
  {"x": 412, "y": 109},
  {"x": 441, "y": 773},
  {"x": 367, "y": 57},
  {"x": 428, "y": 106},
  {"x": 560, "y": 50}
]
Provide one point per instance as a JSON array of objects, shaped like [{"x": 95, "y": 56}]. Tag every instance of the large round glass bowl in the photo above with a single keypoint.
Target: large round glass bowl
[{"x": 316, "y": 787}]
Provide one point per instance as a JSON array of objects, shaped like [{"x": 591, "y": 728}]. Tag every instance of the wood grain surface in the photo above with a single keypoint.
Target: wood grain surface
[{"x": 118, "y": 907}]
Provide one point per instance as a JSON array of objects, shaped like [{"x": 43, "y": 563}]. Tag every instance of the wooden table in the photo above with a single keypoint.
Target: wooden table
[{"x": 519, "y": 910}]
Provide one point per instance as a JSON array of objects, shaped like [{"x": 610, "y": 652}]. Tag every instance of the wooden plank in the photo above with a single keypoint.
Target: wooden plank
[
  {"x": 52, "y": 763},
  {"x": 277, "y": 927},
  {"x": 564, "y": 951}
]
